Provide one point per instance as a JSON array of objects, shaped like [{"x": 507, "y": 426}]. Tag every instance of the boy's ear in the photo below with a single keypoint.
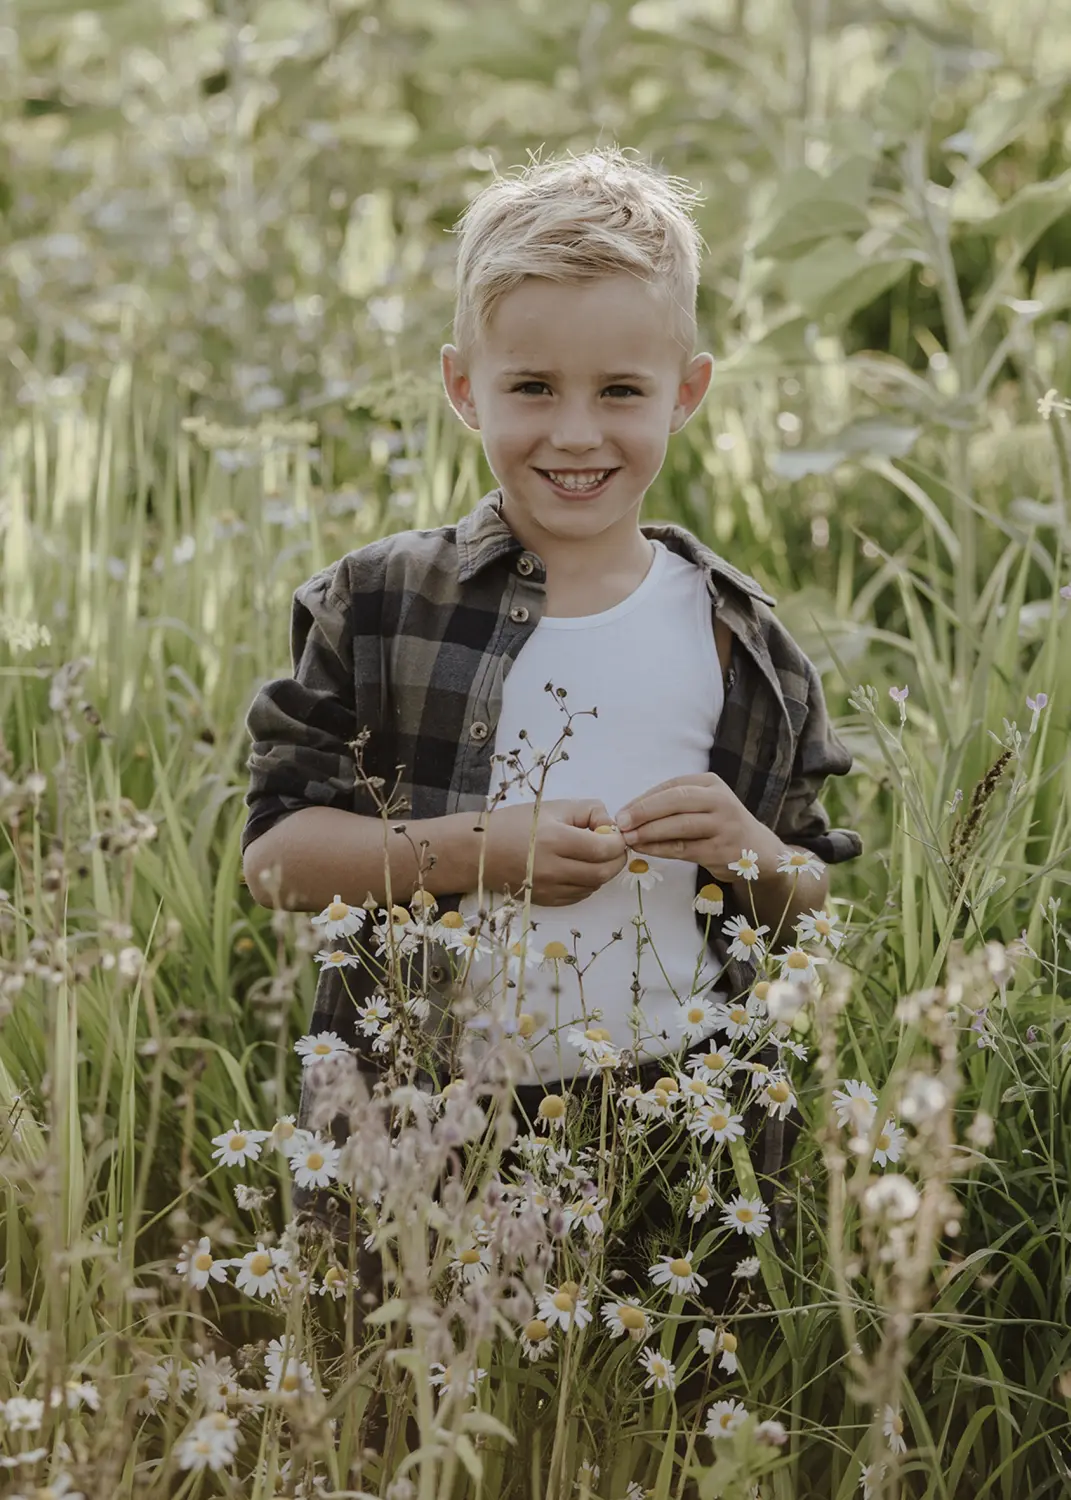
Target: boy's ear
[
  {"x": 694, "y": 385},
  {"x": 458, "y": 387}
]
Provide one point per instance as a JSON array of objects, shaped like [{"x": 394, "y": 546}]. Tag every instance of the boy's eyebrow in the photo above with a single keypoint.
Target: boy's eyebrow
[{"x": 553, "y": 375}]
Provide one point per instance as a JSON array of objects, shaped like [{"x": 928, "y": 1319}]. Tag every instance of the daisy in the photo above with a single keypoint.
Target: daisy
[
  {"x": 535, "y": 1338},
  {"x": 724, "y": 1417},
  {"x": 554, "y": 953},
  {"x": 702, "y": 1200},
  {"x": 337, "y": 958},
  {"x": 76, "y": 1393},
  {"x": 777, "y": 1095},
  {"x": 819, "y": 927},
  {"x": 324, "y": 1044},
  {"x": 284, "y": 1135},
  {"x": 747, "y": 944},
  {"x": 160, "y": 1381},
  {"x": 258, "y": 1272},
  {"x": 210, "y": 1444},
  {"x": 747, "y": 866},
  {"x": 715, "y": 1122},
  {"x": 465, "y": 944},
  {"x": 591, "y": 1042},
  {"x": 334, "y": 1283},
  {"x": 638, "y": 875},
  {"x": 625, "y": 1316},
  {"x": 472, "y": 1262},
  {"x": 798, "y": 966},
  {"x": 237, "y": 1146},
  {"x": 217, "y": 1381},
  {"x": 563, "y": 1305},
  {"x": 697, "y": 1091},
  {"x": 746, "y": 1215},
  {"x": 727, "y": 1344},
  {"x": 714, "y": 1066},
  {"x": 373, "y": 1015},
  {"x": 871, "y": 1474},
  {"x": 855, "y": 1103},
  {"x": 199, "y": 1267},
  {"x": 893, "y": 1428},
  {"x": 890, "y": 1143},
  {"x": 675, "y": 1271},
  {"x": 397, "y": 927},
  {"x": 286, "y": 1373},
  {"x": 697, "y": 1019},
  {"x": 746, "y": 1269},
  {"x": 742, "y": 1018},
  {"x": 338, "y": 919},
  {"x": 588, "y": 1212},
  {"x": 710, "y": 901},
  {"x": 23, "y": 1413},
  {"x": 801, "y": 860},
  {"x": 315, "y": 1162},
  {"x": 551, "y": 1112},
  {"x": 661, "y": 1373},
  {"x": 447, "y": 1379}
]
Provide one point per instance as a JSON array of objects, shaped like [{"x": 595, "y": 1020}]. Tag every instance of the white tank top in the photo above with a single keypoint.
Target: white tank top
[{"x": 650, "y": 667}]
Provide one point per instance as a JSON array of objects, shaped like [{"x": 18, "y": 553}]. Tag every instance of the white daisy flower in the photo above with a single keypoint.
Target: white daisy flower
[
  {"x": 855, "y": 1103},
  {"x": 535, "y": 1339},
  {"x": 590, "y": 1041},
  {"x": 890, "y": 1144},
  {"x": 801, "y": 860},
  {"x": 311, "y": 1049},
  {"x": 236, "y": 1147},
  {"x": 398, "y": 927},
  {"x": 697, "y": 1091},
  {"x": 563, "y": 1306},
  {"x": 259, "y": 1272},
  {"x": 338, "y": 919},
  {"x": 701, "y": 1187},
  {"x": 724, "y": 1417},
  {"x": 742, "y": 1018},
  {"x": 625, "y": 1315},
  {"x": 586, "y": 1211},
  {"x": 710, "y": 901},
  {"x": 676, "y": 1272},
  {"x": 661, "y": 1373},
  {"x": 798, "y": 966},
  {"x": 777, "y": 1095},
  {"x": 819, "y": 927},
  {"x": 746, "y": 1215},
  {"x": 160, "y": 1382},
  {"x": 697, "y": 1019},
  {"x": 286, "y": 1373},
  {"x": 474, "y": 946},
  {"x": 334, "y": 1283},
  {"x": 373, "y": 1015},
  {"x": 284, "y": 1135},
  {"x": 23, "y": 1413},
  {"x": 455, "y": 1382},
  {"x": 659, "y": 1101},
  {"x": 315, "y": 1162},
  {"x": 75, "y": 1393},
  {"x": 746, "y": 944},
  {"x": 217, "y": 1381},
  {"x": 728, "y": 1344},
  {"x": 747, "y": 866},
  {"x": 550, "y": 1115},
  {"x": 472, "y": 1261},
  {"x": 715, "y": 1122},
  {"x": 871, "y": 1475},
  {"x": 210, "y": 1444},
  {"x": 786, "y": 1044},
  {"x": 784, "y": 1001},
  {"x": 748, "y": 1268},
  {"x": 639, "y": 875},
  {"x": 714, "y": 1066},
  {"x": 893, "y": 1428},
  {"x": 337, "y": 958},
  {"x": 198, "y": 1265}
]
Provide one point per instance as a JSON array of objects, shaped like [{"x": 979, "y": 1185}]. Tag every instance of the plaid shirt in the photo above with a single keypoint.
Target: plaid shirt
[{"x": 411, "y": 637}]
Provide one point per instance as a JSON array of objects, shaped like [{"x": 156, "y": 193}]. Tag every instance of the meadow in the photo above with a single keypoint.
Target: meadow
[{"x": 227, "y": 274}]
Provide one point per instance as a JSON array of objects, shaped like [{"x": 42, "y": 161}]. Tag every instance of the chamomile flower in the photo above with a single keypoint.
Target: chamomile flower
[
  {"x": 562, "y": 1306},
  {"x": 701, "y": 1186},
  {"x": 893, "y": 1428},
  {"x": 747, "y": 866},
  {"x": 75, "y": 1393},
  {"x": 777, "y": 1095},
  {"x": 890, "y": 1144},
  {"x": 260, "y": 1271},
  {"x": 198, "y": 1266},
  {"x": 551, "y": 1112},
  {"x": 741, "y": 1018},
  {"x": 798, "y": 966},
  {"x": 314, "y": 1163},
  {"x": 746, "y": 1215},
  {"x": 714, "y": 1066},
  {"x": 455, "y": 1382},
  {"x": 284, "y": 1135},
  {"x": 160, "y": 1381},
  {"x": 535, "y": 1338},
  {"x": 801, "y": 860},
  {"x": 728, "y": 1345},
  {"x": 855, "y": 1103},
  {"x": 210, "y": 1444},
  {"x": 217, "y": 1381},
  {"x": 22, "y": 1413},
  {"x": 586, "y": 1211},
  {"x": 819, "y": 927},
  {"x": 710, "y": 901},
  {"x": 715, "y": 1122},
  {"x": 337, "y": 958},
  {"x": 396, "y": 926},
  {"x": 373, "y": 1015},
  {"x": 592, "y": 1042},
  {"x": 639, "y": 875},
  {"x": 235, "y": 1147},
  {"x": 660, "y": 1100},
  {"x": 334, "y": 1283},
  {"x": 472, "y": 1261},
  {"x": 697, "y": 1018},
  {"x": 724, "y": 1417},
  {"x": 338, "y": 919},
  {"x": 625, "y": 1316},
  {"x": 661, "y": 1373},
  {"x": 286, "y": 1373},
  {"x": 678, "y": 1273},
  {"x": 311, "y": 1049},
  {"x": 747, "y": 1269},
  {"x": 697, "y": 1091}
]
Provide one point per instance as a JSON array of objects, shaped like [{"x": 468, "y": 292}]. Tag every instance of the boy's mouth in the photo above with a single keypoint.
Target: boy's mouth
[{"x": 572, "y": 483}]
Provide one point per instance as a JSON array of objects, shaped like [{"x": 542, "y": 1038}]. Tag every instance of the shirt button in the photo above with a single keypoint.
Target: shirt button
[
  {"x": 479, "y": 731},
  {"x": 518, "y": 614},
  {"x": 525, "y": 565}
]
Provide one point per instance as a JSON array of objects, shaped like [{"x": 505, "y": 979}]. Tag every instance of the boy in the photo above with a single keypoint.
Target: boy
[{"x": 574, "y": 323}]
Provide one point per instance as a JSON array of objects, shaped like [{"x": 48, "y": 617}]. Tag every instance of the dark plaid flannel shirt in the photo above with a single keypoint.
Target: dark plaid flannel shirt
[{"x": 411, "y": 637}]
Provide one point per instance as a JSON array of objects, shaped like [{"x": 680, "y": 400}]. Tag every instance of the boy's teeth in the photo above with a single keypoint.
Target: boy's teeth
[{"x": 571, "y": 482}]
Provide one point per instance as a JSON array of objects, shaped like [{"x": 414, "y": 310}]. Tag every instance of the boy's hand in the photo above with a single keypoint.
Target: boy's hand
[
  {"x": 571, "y": 859},
  {"x": 698, "y": 819}
]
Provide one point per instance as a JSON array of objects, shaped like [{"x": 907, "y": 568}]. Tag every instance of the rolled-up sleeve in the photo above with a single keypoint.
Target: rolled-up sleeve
[
  {"x": 820, "y": 753},
  {"x": 303, "y": 726}
]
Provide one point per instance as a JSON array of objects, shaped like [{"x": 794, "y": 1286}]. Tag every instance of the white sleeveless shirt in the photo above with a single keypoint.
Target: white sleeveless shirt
[{"x": 650, "y": 667}]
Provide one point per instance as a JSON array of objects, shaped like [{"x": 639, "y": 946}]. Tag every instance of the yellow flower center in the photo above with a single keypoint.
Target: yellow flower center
[
  {"x": 738, "y": 1015},
  {"x": 322, "y": 1049},
  {"x": 536, "y": 1330},
  {"x": 572, "y": 1287},
  {"x": 779, "y": 1092},
  {"x": 695, "y": 1013},
  {"x": 748, "y": 936},
  {"x": 399, "y": 916},
  {"x": 290, "y": 1382},
  {"x": 761, "y": 989},
  {"x": 681, "y": 1266},
  {"x": 337, "y": 911},
  {"x": 745, "y": 1215},
  {"x": 632, "y": 1092},
  {"x": 717, "y": 1122},
  {"x": 551, "y": 1107},
  {"x": 661, "y": 1098},
  {"x": 728, "y": 1342},
  {"x": 260, "y": 1265},
  {"x": 469, "y": 1257},
  {"x": 314, "y": 1161},
  {"x": 797, "y": 959},
  {"x": 697, "y": 1086},
  {"x": 638, "y": 867},
  {"x": 631, "y": 1317},
  {"x": 525, "y": 1024},
  {"x": 236, "y": 1143},
  {"x": 702, "y": 1194},
  {"x": 203, "y": 1262},
  {"x": 555, "y": 950},
  {"x": 283, "y": 1130},
  {"x": 897, "y": 1424},
  {"x": 332, "y": 1275},
  {"x": 563, "y": 1302},
  {"x": 724, "y": 1420},
  {"x": 883, "y": 1142},
  {"x": 667, "y": 1085},
  {"x": 452, "y": 919},
  {"x": 712, "y": 893},
  {"x": 715, "y": 1061},
  {"x": 597, "y": 1034}
]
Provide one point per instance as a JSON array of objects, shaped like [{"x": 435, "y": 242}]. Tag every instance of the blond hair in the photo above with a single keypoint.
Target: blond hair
[{"x": 573, "y": 220}]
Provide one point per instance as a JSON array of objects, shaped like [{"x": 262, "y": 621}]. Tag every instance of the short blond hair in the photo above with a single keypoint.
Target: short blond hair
[{"x": 575, "y": 219}]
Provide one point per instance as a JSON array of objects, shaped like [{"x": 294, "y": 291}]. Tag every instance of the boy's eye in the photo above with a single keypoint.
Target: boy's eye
[{"x": 629, "y": 390}]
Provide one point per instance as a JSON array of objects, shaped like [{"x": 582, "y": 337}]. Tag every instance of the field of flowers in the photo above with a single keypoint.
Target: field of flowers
[{"x": 227, "y": 273}]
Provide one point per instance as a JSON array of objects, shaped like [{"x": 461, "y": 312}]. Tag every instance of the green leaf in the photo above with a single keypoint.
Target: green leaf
[
  {"x": 1026, "y": 216},
  {"x": 889, "y": 438},
  {"x": 834, "y": 280},
  {"x": 903, "y": 107},
  {"x": 483, "y": 1421},
  {"x": 994, "y": 123},
  {"x": 392, "y": 130},
  {"x": 806, "y": 208}
]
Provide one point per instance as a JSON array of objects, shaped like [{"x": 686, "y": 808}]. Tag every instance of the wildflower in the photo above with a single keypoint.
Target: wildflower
[
  {"x": 198, "y": 1266},
  {"x": 22, "y": 1413},
  {"x": 587, "y": 1211},
  {"x": 871, "y": 1474},
  {"x": 713, "y": 1066},
  {"x": 784, "y": 1001},
  {"x": 638, "y": 875},
  {"x": 282, "y": 1135},
  {"x": 661, "y": 1373},
  {"x": 563, "y": 1305},
  {"x": 551, "y": 1112},
  {"x": 339, "y": 920},
  {"x": 659, "y": 1100},
  {"x": 724, "y": 1417},
  {"x": 716, "y": 1122},
  {"x": 554, "y": 953},
  {"x": 625, "y": 1316},
  {"x": 798, "y": 966},
  {"x": 76, "y": 1393},
  {"x": 702, "y": 1191},
  {"x": 710, "y": 901},
  {"x": 315, "y": 1162},
  {"x": 855, "y": 1103},
  {"x": 747, "y": 866},
  {"x": 801, "y": 860},
  {"x": 324, "y": 1044},
  {"x": 697, "y": 1019},
  {"x": 747, "y": 944},
  {"x": 466, "y": 944},
  {"x": 777, "y": 1095},
  {"x": 742, "y": 1019},
  {"x": 472, "y": 1262},
  {"x": 447, "y": 1379},
  {"x": 334, "y": 1283},
  {"x": 892, "y": 1197},
  {"x": 237, "y": 1146},
  {"x": 819, "y": 927},
  {"x": 160, "y": 1381},
  {"x": 890, "y": 1143},
  {"x": 211, "y": 1444},
  {"x": 771, "y": 1432},
  {"x": 258, "y": 1272},
  {"x": 217, "y": 1381},
  {"x": 746, "y": 1215},
  {"x": 697, "y": 1091},
  {"x": 337, "y": 958},
  {"x": 593, "y": 1042},
  {"x": 676, "y": 1272},
  {"x": 747, "y": 1268},
  {"x": 535, "y": 1338},
  {"x": 396, "y": 927},
  {"x": 286, "y": 1373},
  {"x": 893, "y": 1428},
  {"x": 373, "y": 1015}
]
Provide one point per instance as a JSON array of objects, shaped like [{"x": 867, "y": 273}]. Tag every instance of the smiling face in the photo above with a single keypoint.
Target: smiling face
[{"x": 572, "y": 381}]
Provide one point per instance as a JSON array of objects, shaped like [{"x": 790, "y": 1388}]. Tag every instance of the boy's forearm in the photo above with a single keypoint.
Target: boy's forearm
[{"x": 320, "y": 852}]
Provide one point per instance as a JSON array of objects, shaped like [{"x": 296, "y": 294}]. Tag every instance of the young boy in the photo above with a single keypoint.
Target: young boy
[{"x": 574, "y": 326}]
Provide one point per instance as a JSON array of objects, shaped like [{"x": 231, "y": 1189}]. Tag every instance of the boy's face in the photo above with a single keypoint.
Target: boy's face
[{"x": 583, "y": 377}]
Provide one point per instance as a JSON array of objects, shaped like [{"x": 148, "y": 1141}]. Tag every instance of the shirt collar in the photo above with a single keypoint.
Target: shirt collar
[{"x": 484, "y": 535}]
